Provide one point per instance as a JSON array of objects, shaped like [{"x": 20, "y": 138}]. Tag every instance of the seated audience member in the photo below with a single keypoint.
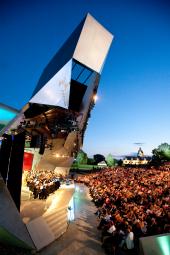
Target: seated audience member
[{"x": 137, "y": 200}]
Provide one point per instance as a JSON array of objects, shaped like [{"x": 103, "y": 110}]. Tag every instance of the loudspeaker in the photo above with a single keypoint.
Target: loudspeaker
[
  {"x": 42, "y": 144},
  {"x": 5, "y": 151},
  {"x": 34, "y": 141},
  {"x": 15, "y": 168}
]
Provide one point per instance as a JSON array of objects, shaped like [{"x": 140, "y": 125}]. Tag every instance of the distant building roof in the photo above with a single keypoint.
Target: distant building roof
[{"x": 135, "y": 158}]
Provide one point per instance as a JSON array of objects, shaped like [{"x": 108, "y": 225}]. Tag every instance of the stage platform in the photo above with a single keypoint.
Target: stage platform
[
  {"x": 48, "y": 219},
  {"x": 82, "y": 236}
]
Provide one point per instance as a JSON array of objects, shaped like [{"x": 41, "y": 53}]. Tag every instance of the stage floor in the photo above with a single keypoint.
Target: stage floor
[
  {"x": 82, "y": 236},
  {"x": 33, "y": 208}
]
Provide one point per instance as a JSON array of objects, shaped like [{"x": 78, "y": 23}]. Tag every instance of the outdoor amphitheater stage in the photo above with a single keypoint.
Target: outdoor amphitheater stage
[
  {"x": 82, "y": 236},
  {"x": 67, "y": 213},
  {"x": 47, "y": 134},
  {"x": 47, "y": 219}
]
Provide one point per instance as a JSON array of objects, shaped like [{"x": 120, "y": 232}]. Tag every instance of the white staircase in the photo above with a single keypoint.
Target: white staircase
[
  {"x": 54, "y": 222},
  {"x": 57, "y": 221}
]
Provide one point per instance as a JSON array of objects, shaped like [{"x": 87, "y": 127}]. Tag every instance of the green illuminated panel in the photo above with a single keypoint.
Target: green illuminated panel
[
  {"x": 6, "y": 116},
  {"x": 7, "y": 238},
  {"x": 164, "y": 244},
  {"x": 156, "y": 245}
]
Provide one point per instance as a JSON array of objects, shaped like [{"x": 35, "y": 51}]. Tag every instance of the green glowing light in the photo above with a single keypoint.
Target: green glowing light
[
  {"x": 6, "y": 116},
  {"x": 164, "y": 244}
]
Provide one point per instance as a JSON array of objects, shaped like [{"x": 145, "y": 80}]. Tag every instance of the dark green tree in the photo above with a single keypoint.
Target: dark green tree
[
  {"x": 90, "y": 161},
  {"x": 120, "y": 162},
  {"x": 98, "y": 158}
]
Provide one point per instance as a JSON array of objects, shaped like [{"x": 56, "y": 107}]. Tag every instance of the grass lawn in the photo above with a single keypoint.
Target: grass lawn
[{"x": 84, "y": 167}]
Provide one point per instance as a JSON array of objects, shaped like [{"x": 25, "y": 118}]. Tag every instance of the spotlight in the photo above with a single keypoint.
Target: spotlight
[{"x": 95, "y": 98}]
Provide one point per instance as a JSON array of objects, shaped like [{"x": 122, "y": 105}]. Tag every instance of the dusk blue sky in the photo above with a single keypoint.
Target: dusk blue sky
[{"x": 134, "y": 92}]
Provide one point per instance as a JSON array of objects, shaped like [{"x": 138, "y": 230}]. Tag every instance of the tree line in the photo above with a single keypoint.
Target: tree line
[
  {"x": 83, "y": 159},
  {"x": 160, "y": 155}
]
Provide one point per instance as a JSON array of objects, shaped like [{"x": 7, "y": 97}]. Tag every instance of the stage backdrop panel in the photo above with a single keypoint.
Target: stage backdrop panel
[{"x": 27, "y": 163}]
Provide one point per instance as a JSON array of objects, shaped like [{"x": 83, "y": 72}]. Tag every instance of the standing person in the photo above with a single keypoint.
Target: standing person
[{"x": 129, "y": 239}]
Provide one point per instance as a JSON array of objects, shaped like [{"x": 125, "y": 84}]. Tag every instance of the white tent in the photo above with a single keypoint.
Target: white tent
[{"x": 102, "y": 164}]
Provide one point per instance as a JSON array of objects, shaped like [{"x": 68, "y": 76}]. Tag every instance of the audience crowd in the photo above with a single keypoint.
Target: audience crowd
[
  {"x": 131, "y": 203},
  {"x": 43, "y": 183}
]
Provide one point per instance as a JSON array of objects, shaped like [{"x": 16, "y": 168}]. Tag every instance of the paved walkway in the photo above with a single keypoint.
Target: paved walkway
[{"x": 82, "y": 236}]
